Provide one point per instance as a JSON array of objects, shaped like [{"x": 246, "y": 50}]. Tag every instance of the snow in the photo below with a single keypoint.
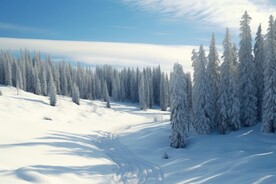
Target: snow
[{"x": 92, "y": 144}]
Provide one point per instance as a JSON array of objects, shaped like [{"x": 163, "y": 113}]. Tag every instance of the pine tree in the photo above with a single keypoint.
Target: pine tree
[
  {"x": 228, "y": 114},
  {"x": 106, "y": 95},
  {"x": 164, "y": 93},
  {"x": 37, "y": 85},
  {"x": 259, "y": 60},
  {"x": 52, "y": 91},
  {"x": 19, "y": 82},
  {"x": 75, "y": 94},
  {"x": 269, "y": 101},
  {"x": 43, "y": 77},
  {"x": 212, "y": 72},
  {"x": 8, "y": 72},
  {"x": 116, "y": 87},
  {"x": 201, "y": 110},
  {"x": 179, "y": 104},
  {"x": 189, "y": 99},
  {"x": 108, "y": 102},
  {"x": 142, "y": 93},
  {"x": 105, "y": 91},
  {"x": 247, "y": 89}
]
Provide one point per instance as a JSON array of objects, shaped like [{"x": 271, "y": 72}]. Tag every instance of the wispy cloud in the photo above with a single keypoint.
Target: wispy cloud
[
  {"x": 117, "y": 54},
  {"x": 25, "y": 29},
  {"x": 220, "y": 13}
]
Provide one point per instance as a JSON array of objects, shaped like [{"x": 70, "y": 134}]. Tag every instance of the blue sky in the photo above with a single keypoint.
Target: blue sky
[
  {"x": 124, "y": 28},
  {"x": 93, "y": 20}
]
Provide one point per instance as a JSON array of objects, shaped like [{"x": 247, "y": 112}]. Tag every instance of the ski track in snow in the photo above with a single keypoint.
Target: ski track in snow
[{"x": 130, "y": 169}]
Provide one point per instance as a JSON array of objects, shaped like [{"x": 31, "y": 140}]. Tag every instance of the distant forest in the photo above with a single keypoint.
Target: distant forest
[{"x": 43, "y": 76}]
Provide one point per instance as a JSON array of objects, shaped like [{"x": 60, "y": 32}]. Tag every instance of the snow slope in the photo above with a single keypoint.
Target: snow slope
[{"x": 92, "y": 144}]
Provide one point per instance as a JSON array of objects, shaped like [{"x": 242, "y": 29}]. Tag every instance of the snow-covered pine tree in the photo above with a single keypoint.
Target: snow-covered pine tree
[
  {"x": 201, "y": 120},
  {"x": 269, "y": 101},
  {"x": 43, "y": 79},
  {"x": 106, "y": 95},
  {"x": 164, "y": 93},
  {"x": 213, "y": 75},
  {"x": 19, "y": 82},
  {"x": 105, "y": 91},
  {"x": 37, "y": 85},
  {"x": 179, "y": 104},
  {"x": 8, "y": 70},
  {"x": 116, "y": 86},
  {"x": 75, "y": 94},
  {"x": 52, "y": 91},
  {"x": 133, "y": 86},
  {"x": 259, "y": 61},
  {"x": 63, "y": 78},
  {"x": 108, "y": 102},
  {"x": 157, "y": 84},
  {"x": 246, "y": 69},
  {"x": 228, "y": 114},
  {"x": 142, "y": 93},
  {"x": 189, "y": 99}
]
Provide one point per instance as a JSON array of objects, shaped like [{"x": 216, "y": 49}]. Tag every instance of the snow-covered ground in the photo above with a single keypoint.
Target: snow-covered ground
[{"x": 92, "y": 144}]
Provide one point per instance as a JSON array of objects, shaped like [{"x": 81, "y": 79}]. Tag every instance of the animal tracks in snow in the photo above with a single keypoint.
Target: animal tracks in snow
[{"x": 130, "y": 169}]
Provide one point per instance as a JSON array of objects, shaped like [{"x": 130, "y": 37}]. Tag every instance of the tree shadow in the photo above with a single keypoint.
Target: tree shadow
[
  {"x": 67, "y": 144},
  {"x": 31, "y": 100}
]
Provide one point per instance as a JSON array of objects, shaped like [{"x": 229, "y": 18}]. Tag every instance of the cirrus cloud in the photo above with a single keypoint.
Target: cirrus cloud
[
  {"x": 112, "y": 53},
  {"x": 219, "y": 13}
]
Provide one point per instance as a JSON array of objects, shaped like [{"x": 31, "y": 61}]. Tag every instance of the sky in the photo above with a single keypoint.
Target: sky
[{"x": 124, "y": 32}]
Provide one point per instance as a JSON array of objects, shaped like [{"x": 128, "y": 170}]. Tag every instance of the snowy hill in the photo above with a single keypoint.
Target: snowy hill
[{"x": 91, "y": 144}]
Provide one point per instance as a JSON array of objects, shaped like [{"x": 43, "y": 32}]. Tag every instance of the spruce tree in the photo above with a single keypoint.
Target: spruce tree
[
  {"x": 75, "y": 94},
  {"x": 247, "y": 89},
  {"x": 106, "y": 96},
  {"x": 269, "y": 98},
  {"x": 229, "y": 107},
  {"x": 19, "y": 82},
  {"x": 52, "y": 91},
  {"x": 259, "y": 60},
  {"x": 201, "y": 121},
  {"x": 213, "y": 76},
  {"x": 37, "y": 85},
  {"x": 105, "y": 91},
  {"x": 189, "y": 99},
  {"x": 163, "y": 93},
  {"x": 8, "y": 71},
  {"x": 142, "y": 93},
  {"x": 179, "y": 105}
]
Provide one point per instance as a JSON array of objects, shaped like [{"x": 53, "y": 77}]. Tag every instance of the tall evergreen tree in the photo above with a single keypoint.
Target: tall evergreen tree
[
  {"x": 179, "y": 105},
  {"x": 75, "y": 94},
  {"x": 52, "y": 91},
  {"x": 142, "y": 93},
  {"x": 8, "y": 71},
  {"x": 247, "y": 89},
  {"x": 229, "y": 107},
  {"x": 189, "y": 99},
  {"x": 164, "y": 93},
  {"x": 259, "y": 61},
  {"x": 201, "y": 121},
  {"x": 37, "y": 85},
  {"x": 269, "y": 98},
  {"x": 213, "y": 76},
  {"x": 19, "y": 82}
]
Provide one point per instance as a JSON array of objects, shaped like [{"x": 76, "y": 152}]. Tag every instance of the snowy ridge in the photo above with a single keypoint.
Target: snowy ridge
[{"x": 129, "y": 167}]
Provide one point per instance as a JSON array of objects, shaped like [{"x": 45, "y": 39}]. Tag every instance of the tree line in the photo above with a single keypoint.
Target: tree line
[
  {"x": 239, "y": 92},
  {"x": 42, "y": 76}
]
